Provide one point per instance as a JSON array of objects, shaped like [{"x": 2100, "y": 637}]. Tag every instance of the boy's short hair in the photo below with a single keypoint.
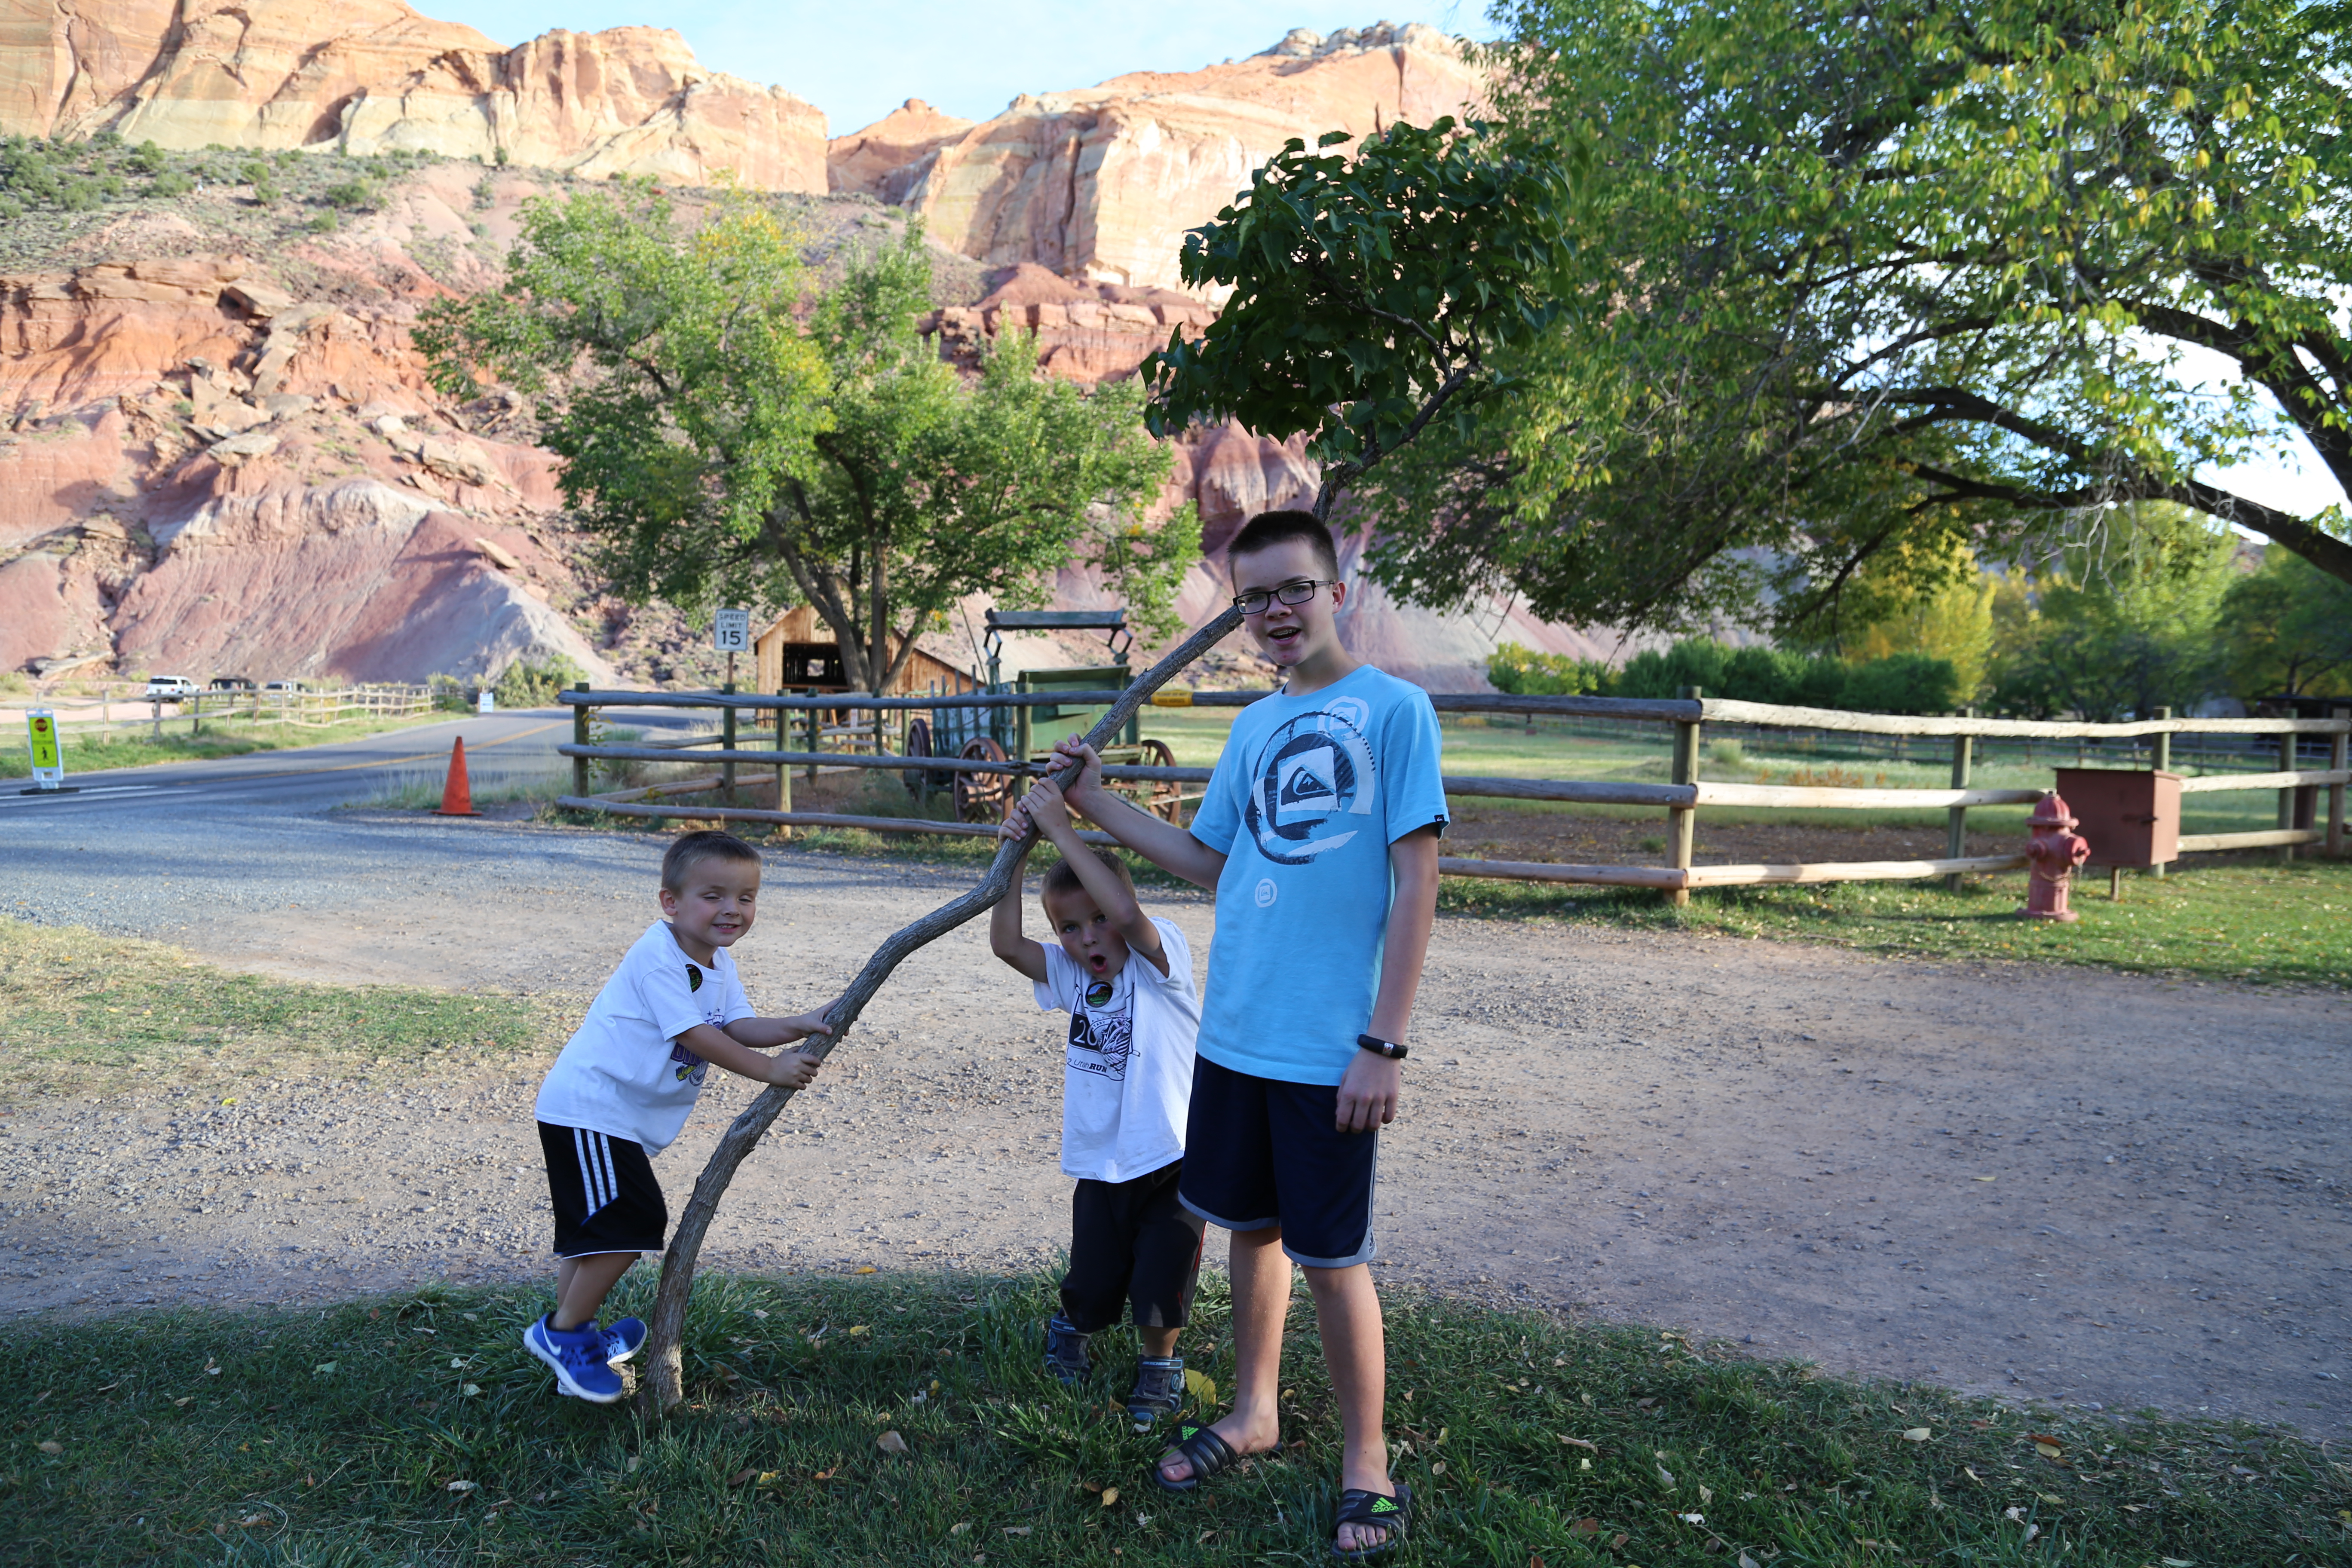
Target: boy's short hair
[
  {"x": 1268, "y": 529},
  {"x": 1062, "y": 876},
  {"x": 688, "y": 850}
]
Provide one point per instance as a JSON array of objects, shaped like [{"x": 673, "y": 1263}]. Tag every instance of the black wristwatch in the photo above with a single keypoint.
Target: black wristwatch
[{"x": 1379, "y": 1047}]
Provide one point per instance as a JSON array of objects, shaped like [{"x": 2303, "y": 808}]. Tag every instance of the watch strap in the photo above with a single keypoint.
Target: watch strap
[{"x": 1379, "y": 1047}]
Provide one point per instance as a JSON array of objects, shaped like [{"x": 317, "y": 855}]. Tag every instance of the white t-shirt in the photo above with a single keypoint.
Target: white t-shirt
[
  {"x": 1127, "y": 1077},
  {"x": 623, "y": 1073}
]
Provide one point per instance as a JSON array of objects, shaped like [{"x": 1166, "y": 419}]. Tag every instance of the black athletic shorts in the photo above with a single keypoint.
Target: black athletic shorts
[
  {"x": 1133, "y": 1247},
  {"x": 605, "y": 1197},
  {"x": 1260, "y": 1152}
]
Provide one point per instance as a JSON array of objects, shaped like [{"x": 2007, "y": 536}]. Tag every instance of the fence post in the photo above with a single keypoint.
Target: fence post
[
  {"x": 815, "y": 736},
  {"x": 727, "y": 741},
  {"x": 1684, "y": 820},
  {"x": 2286, "y": 797},
  {"x": 2160, "y": 758},
  {"x": 2339, "y": 750},
  {"x": 580, "y": 738},
  {"x": 1956, "y": 831}
]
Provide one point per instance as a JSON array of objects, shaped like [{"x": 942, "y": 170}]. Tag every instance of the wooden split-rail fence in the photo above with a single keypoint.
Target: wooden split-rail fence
[{"x": 1682, "y": 798}]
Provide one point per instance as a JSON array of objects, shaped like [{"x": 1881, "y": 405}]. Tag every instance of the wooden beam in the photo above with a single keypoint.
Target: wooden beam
[
  {"x": 1662, "y": 876},
  {"x": 2214, "y": 784},
  {"x": 1794, "y": 795},
  {"x": 2269, "y": 838},
  {"x": 1722, "y": 712},
  {"x": 1851, "y": 871}
]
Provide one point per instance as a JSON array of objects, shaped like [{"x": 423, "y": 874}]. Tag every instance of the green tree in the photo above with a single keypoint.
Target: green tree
[
  {"x": 2118, "y": 628},
  {"x": 1855, "y": 276},
  {"x": 1370, "y": 296},
  {"x": 716, "y": 435},
  {"x": 2288, "y": 630}
]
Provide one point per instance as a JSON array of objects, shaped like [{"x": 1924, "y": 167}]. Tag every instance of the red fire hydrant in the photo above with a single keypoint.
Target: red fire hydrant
[{"x": 2055, "y": 851}]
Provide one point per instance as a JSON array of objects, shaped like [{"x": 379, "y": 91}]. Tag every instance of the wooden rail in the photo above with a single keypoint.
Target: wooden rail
[{"x": 1681, "y": 799}]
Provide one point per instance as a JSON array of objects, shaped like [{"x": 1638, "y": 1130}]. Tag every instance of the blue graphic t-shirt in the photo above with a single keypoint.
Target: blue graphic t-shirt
[{"x": 1307, "y": 797}]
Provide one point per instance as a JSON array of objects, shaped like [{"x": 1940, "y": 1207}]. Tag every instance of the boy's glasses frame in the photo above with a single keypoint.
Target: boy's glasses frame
[{"x": 1260, "y": 600}]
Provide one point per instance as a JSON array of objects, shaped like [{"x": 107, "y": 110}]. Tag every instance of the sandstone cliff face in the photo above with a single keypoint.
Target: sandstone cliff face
[
  {"x": 372, "y": 76},
  {"x": 1101, "y": 184}
]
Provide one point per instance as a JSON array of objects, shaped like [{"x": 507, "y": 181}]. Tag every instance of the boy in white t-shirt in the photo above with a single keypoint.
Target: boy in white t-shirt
[
  {"x": 623, "y": 1087},
  {"x": 1126, "y": 980}
]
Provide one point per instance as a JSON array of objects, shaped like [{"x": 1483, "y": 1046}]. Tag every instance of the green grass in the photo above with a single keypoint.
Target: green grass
[
  {"x": 220, "y": 738},
  {"x": 2266, "y": 924},
  {"x": 82, "y": 1011},
  {"x": 414, "y": 1430}
]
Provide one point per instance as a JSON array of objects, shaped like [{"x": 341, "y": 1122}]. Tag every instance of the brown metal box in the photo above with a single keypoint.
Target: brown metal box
[{"x": 2132, "y": 816}]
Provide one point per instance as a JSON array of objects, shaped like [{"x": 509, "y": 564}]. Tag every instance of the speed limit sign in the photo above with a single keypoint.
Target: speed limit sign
[{"x": 731, "y": 631}]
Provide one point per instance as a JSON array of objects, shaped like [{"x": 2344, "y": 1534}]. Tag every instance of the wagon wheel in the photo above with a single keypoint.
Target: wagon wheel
[
  {"x": 918, "y": 744},
  {"x": 982, "y": 797},
  {"x": 1163, "y": 800}
]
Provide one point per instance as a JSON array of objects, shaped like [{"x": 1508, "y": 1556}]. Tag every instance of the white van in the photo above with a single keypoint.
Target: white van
[{"x": 168, "y": 687}]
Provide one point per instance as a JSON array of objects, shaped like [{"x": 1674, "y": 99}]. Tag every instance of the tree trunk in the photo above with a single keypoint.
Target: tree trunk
[{"x": 664, "y": 1384}]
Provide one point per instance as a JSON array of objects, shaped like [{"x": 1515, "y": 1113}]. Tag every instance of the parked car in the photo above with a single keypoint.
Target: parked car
[
  {"x": 169, "y": 687},
  {"x": 284, "y": 686},
  {"x": 232, "y": 683}
]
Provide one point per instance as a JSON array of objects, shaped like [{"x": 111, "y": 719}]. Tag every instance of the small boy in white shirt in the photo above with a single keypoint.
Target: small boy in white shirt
[
  {"x": 623, "y": 1087},
  {"x": 1126, "y": 980}
]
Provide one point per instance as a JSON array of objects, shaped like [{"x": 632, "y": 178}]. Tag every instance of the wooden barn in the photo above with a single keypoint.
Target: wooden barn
[{"x": 798, "y": 652}]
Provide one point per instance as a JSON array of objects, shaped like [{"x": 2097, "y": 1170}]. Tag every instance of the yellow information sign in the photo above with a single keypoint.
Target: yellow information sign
[{"x": 48, "y": 763}]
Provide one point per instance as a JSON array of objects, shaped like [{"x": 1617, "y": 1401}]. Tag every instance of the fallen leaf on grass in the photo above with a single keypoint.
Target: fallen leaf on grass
[
  {"x": 758, "y": 1312},
  {"x": 1706, "y": 1494},
  {"x": 1747, "y": 1561},
  {"x": 2055, "y": 1501},
  {"x": 322, "y": 1369},
  {"x": 250, "y": 1519},
  {"x": 1617, "y": 1541},
  {"x": 859, "y": 1329},
  {"x": 1665, "y": 1475},
  {"x": 740, "y": 1477},
  {"x": 471, "y": 1389},
  {"x": 1917, "y": 1435},
  {"x": 1585, "y": 1527},
  {"x": 864, "y": 1269},
  {"x": 1110, "y": 1496},
  {"x": 827, "y": 1475},
  {"x": 1017, "y": 1529},
  {"x": 892, "y": 1443},
  {"x": 959, "y": 1527},
  {"x": 2048, "y": 1447},
  {"x": 1201, "y": 1385},
  {"x": 190, "y": 1399},
  {"x": 53, "y": 1447},
  {"x": 465, "y": 1486},
  {"x": 1580, "y": 1443}
]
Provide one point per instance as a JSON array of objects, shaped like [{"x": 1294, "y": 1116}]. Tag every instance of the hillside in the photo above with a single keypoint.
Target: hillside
[{"x": 222, "y": 454}]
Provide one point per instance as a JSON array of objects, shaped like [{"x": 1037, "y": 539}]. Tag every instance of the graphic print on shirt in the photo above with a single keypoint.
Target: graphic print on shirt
[
  {"x": 690, "y": 1068},
  {"x": 1100, "y": 1043},
  {"x": 1315, "y": 775}
]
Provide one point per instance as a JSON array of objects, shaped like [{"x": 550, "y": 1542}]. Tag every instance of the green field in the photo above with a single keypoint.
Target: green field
[{"x": 414, "y": 1429}]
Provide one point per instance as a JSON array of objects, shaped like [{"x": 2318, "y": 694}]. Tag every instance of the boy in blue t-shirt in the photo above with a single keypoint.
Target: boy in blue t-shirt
[{"x": 1319, "y": 834}]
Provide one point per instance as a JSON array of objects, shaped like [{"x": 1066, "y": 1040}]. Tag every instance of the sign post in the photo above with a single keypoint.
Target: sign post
[
  {"x": 730, "y": 634},
  {"x": 48, "y": 760}
]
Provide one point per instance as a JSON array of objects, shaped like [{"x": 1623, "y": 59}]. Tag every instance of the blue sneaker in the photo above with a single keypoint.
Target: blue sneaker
[
  {"x": 623, "y": 1337},
  {"x": 1066, "y": 1356},
  {"x": 577, "y": 1358}
]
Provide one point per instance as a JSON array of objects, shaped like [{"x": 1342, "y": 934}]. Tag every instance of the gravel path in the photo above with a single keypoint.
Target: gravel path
[{"x": 2107, "y": 1190}]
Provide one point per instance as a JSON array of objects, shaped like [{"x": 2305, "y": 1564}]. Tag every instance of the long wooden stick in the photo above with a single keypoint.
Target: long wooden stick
[{"x": 664, "y": 1374}]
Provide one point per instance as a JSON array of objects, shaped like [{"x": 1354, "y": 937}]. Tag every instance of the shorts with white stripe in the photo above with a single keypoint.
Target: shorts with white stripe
[{"x": 602, "y": 1187}]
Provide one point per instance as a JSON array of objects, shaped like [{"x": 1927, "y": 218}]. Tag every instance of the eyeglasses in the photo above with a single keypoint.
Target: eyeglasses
[{"x": 1257, "y": 601}]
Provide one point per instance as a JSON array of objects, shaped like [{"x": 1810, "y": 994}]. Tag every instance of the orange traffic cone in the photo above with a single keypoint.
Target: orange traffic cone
[{"x": 458, "y": 795}]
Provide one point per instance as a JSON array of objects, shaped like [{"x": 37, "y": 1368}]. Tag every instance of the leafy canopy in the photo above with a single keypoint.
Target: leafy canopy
[
  {"x": 1369, "y": 295},
  {"x": 1857, "y": 284},
  {"x": 719, "y": 435}
]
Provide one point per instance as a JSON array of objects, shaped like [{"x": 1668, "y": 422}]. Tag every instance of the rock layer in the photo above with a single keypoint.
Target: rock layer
[
  {"x": 1100, "y": 184},
  {"x": 372, "y": 76}
]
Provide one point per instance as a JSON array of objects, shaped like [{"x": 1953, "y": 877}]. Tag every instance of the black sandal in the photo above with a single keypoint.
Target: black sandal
[
  {"x": 1358, "y": 1506},
  {"x": 1203, "y": 1450}
]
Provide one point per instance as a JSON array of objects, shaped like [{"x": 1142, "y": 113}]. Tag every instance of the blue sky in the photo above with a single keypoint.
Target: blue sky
[{"x": 858, "y": 61}]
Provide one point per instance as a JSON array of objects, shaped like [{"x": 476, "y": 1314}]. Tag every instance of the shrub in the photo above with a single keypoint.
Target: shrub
[
  {"x": 533, "y": 683},
  {"x": 1523, "y": 672},
  {"x": 352, "y": 195},
  {"x": 172, "y": 183}
]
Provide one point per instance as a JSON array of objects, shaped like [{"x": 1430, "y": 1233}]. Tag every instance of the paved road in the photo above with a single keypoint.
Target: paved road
[{"x": 499, "y": 748}]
